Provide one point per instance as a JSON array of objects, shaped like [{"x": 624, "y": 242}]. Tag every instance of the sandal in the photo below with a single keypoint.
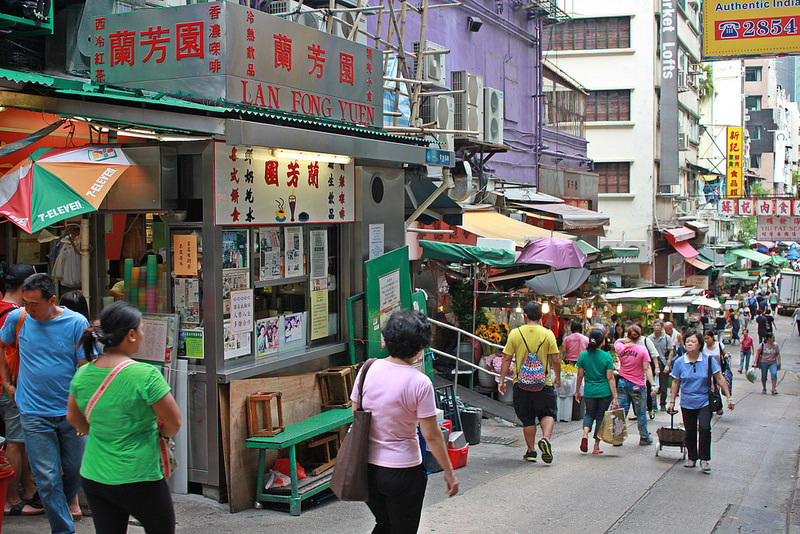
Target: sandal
[{"x": 19, "y": 509}]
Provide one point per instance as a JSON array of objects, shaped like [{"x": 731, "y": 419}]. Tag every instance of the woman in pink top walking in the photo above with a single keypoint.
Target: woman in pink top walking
[
  {"x": 575, "y": 343},
  {"x": 635, "y": 373},
  {"x": 400, "y": 398}
]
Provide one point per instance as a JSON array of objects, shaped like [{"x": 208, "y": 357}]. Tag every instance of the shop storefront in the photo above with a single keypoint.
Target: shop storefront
[{"x": 260, "y": 216}]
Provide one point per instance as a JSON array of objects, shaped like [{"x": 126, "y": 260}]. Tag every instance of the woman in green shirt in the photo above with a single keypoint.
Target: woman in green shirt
[
  {"x": 600, "y": 391},
  {"x": 121, "y": 472}
]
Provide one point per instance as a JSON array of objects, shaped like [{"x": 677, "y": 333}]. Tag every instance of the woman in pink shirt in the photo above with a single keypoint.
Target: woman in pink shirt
[
  {"x": 635, "y": 373},
  {"x": 575, "y": 343},
  {"x": 400, "y": 397},
  {"x": 745, "y": 350}
]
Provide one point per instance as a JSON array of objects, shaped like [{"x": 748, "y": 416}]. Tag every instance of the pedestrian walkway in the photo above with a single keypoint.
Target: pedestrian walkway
[{"x": 752, "y": 488}]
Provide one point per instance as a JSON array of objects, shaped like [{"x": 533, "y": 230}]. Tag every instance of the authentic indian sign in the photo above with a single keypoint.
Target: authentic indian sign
[
  {"x": 224, "y": 51},
  {"x": 738, "y": 28}
]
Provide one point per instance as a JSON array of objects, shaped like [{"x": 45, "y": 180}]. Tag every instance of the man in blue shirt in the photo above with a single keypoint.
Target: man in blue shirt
[{"x": 49, "y": 356}]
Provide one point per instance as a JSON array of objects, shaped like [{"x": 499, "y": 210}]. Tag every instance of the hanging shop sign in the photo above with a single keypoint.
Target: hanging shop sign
[
  {"x": 761, "y": 207},
  {"x": 224, "y": 51},
  {"x": 253, "y": 187},
  {"x": 746, "y": 29},
  {"x": 734, "y": 180},
  {"x": 778, "y": 228},
  {"x": 668, "y": 168}
]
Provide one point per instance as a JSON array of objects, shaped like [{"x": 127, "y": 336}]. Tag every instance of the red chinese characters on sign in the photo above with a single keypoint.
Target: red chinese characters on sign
[
  {"x": 317, "y": 55},
  {"x": 283, "y": 52},
  {"x": 346, "y": 74},
  {"x": 779, "y": 228},
  {"x": 189, "y": 39},
  {"x": 764, "y": 207},
  {"x": 122, "y": 47},
  {"x": 727, "y": 207},
  {"x": 746, "y": 207},
  {"x": 293, "y": 174},
  {"x": 783, "y": 207},
  {"x": 271, "y": 172},
  {"x": 100, "y": 23},
  {"x": 214, "y": 11},
  {"x": 155, "y": 38},
  {"x": 313, "y": 174},
  {"x": 796, "y": 208}
]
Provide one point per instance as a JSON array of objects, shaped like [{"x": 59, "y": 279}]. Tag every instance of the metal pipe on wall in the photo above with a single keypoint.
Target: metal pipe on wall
[{"x": 85, "y": 258}]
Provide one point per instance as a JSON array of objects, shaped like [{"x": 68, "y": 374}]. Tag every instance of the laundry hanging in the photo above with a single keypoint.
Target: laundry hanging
[{"x": 67, "y": 267}]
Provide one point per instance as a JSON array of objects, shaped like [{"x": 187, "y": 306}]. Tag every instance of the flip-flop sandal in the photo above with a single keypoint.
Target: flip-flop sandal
[
  {"x": 584, "y": 444},
  {"x": 19, "y": 509},
  {"x": 597, "y": 452}
]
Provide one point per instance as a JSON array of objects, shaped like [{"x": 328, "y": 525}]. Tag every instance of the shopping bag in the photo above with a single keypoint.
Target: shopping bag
[
  {"x": 613, "y": 430},
  {"x": 349, "y": 480}
]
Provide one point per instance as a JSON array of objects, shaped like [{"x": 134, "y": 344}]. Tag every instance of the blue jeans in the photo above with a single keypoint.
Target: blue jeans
[
  {"x": 631, "y": 394},
  {"x": 54, "y": 447},
  {"x": 771, "y": 368},
  {"x": 744, "y": 359}
]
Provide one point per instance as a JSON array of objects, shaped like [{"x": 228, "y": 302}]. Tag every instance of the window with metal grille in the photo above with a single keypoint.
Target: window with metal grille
[
  {"x": 609, "y": 105},
  {"x": 590, "y": 34},
  {"x": 614, "y": 177}
]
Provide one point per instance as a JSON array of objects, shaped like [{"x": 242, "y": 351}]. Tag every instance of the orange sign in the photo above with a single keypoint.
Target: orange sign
[{"x": 185, "y": 255}]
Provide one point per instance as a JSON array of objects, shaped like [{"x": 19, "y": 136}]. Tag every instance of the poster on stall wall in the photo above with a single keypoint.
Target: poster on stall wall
[
  {"x": 292, "y": 327},
  {"x": 190, "y": 343},
  {"x": 389, "y": 298},
  {"x": 187, "y": 299},
  {"x": 241, "y": 311},
  {"x": 270, "y": 253},
  {"x": 319, "y": 314},
  {"x": 376, "y": 240},
  {"x": 185, "y": 247},
  {"x": 293, "y": 241},
  {"x": 234, "y": 345},
  {"x": 154, "y": 344},
  {"x": 268, "y": 336},
  {"x": 319, "y": 254},
  {"x": 235, "y": 249},
  {"x": 231, "y": 281}
]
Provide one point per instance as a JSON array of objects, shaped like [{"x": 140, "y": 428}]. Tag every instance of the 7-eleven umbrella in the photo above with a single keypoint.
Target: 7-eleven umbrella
[{"x": 57, "y": 183}]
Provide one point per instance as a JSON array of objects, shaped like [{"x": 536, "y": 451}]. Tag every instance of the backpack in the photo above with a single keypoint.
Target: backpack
[
  {"x": 12, "y": 351},
  {"x": 532, "y": 375}
]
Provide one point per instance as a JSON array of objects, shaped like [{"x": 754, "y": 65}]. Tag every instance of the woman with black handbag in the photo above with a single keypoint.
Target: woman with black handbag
[
  {"x": 399, "y": 398},
  {"x": 692, "y": 375}
]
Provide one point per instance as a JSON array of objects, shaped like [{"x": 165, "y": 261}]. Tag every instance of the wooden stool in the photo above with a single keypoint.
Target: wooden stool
[
  {"x": 329, "y": 445},
  {"x": 335, "y": 386},
  {"x": 259, "y": 414}
]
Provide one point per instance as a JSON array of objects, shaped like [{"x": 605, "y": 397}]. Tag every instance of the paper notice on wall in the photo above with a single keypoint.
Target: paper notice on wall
[
  {"x": 293, "y": 241},
  {"x": 191, "y": 343},
  {"x": 389, "y": 287},
  {"x": 234, "y": 345},
  {"x": 319, "y": 314},
  {"x": 376, "y": 240},
  {"x": 242, "y": 311},
  {"x": 154, "y": 344},
  {"x": 187, "y": 299},
  {"x": 185, "y": 254},
  {"x": 319, "y": 254},
  {"x": 270, "y": 250}
]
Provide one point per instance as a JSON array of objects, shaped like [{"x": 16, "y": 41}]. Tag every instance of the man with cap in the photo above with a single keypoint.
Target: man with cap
[{"x": 16, "y": 504}]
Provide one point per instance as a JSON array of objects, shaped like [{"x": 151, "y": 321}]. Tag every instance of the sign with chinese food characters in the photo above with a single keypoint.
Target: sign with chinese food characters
[
  {"x": 735, "y": 145},
  {"x": 752, "y": 28},
  {"x": 224, "y": 51},
  {"x": 779, "y": 228},
  {"x": 253, "y": 187},
  {"x": 762, "y": 207}
]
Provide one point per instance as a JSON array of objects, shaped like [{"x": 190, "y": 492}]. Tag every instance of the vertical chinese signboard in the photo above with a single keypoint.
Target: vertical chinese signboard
[
  {"x": 224, "y": 51},
  {"x": 254, "y": 187},
  {"x": 734, "y": 179}
]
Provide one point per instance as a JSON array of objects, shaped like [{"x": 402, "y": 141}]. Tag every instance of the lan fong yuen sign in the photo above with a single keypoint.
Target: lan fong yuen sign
[{"x": 221, "y": 50}]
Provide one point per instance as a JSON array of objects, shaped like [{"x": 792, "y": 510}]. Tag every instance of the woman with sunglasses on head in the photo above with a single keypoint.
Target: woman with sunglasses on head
[{"x": 690, "y": 376}]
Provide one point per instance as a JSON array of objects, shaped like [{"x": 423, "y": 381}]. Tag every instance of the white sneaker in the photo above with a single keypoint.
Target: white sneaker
[{"x": 705, "y": 467}]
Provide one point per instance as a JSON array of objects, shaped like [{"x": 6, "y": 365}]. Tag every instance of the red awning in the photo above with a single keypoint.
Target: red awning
[
  {"x": 685, "y": 249},
  {"x": 675, "y": 235},
  {"x": 698, "y": 264}
]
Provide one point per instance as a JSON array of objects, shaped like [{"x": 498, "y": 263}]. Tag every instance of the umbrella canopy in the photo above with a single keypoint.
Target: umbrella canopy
[
  {"x": 556, "y": 252},
  {"x": 558, "y": 283},
  {"x": 54, "y": 184}
]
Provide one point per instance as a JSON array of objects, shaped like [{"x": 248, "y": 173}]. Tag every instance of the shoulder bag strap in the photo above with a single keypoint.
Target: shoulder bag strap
[
  {"x": 4, "y": 312},
  {"x": 104, "y": 386},
  {"x": 20, "y": 322},
  {"x": 367, "y": 365}
]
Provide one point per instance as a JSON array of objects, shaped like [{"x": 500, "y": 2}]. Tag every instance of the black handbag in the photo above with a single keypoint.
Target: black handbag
[
  {"x": 350, "y": 478},
  {"x": 714, "y": 397}
]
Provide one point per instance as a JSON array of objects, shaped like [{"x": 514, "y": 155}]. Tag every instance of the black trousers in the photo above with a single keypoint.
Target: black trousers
[
  {"x": 694, "y": 421},
  {"x": 149, "y": 502},
  {"x": 663, "y": 383},
  {"x": 395, "y": 498}
]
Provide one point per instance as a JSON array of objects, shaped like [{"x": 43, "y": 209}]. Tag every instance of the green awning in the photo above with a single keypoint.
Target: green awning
[
  {"x": 443, "y": 208},
  {"x": 453, "y": 252},
  {"x": 625, "y": 252},
  {"x": 586, "y": 248},
  {"x": 26, "y": 77},
  {"x": 742, "y": 275},
  {"x": 780, "y": 261},
  {"x": 748, "y": 254}
]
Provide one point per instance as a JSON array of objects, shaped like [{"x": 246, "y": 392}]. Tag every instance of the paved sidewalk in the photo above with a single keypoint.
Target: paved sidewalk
[{"x": 753, "y": 486}]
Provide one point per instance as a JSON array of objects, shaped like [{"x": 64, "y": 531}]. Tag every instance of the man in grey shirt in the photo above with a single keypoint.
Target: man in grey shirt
[{"x": 663, "y": 345}]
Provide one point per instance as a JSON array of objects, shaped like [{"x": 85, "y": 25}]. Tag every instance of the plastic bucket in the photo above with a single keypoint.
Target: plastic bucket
[
  {"x": 4, "y": 478},
  {"x": 471, "y": 424}
]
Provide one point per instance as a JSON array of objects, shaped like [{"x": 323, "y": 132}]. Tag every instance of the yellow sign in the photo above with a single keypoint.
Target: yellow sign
[
  {"x": 319, "y": 314},
  {"x": 185, "y": 254},
  {"x": 734, "y": 181},
  {"x": 741, "y": 28}
]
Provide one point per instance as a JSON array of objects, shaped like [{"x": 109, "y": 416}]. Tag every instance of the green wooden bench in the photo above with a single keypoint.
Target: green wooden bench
[{"x": 291, "y": 436}]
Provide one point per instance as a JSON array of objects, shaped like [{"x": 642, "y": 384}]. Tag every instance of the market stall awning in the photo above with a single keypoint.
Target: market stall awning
[
  {"x": 707, "y": 302},
  {"x": 489, "y": 223},
  {"x": 748, "y": 254},
  {"x": 697, "y": 263},
  {"x": 709, "y": 256},
  {"x": 780, "y": 261},
  {"x": 625, "y": 252},
  {"x": 443, "y": 207},
  {"x": 572, "y": 217},
  {"x": 740, "y": 275},
  {"x": 675, "y": 308},
  {"x": 587, "y": 249},
  {"x": 676, "y": 235},
  {"x": 645, "y": 293},
  {"x": 690, "y": 255},
  {"x": 453, "y": 252}
]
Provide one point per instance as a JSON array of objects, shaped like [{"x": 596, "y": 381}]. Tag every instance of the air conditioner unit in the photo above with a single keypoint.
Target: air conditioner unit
[
  {"x": 683, "y": 141},
  {"x": 342, "y": 29},
  {"x": 469, "y": 104},
  {"x": 287, "y": 9},
  {"x": 682, "y": 85},
  {"x": 433, "y": 65},
  {"x": 438, "y": 111},
  {"x": 493, "y": 118}
]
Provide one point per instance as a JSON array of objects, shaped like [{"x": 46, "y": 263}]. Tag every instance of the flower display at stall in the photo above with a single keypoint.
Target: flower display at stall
[{"x": 493, "y": 333}]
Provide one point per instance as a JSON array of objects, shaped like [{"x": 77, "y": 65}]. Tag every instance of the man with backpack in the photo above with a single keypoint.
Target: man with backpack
[{"x": 534, "y": 351}]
